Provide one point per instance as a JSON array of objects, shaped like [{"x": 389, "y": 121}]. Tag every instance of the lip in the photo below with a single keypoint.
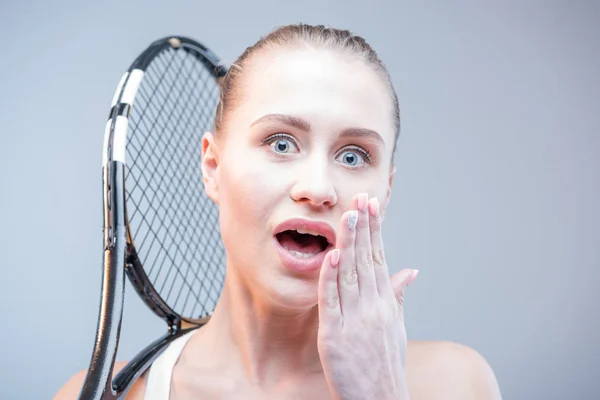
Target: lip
[
  {"x": 300, "y": 265},
  {"x": 304, "y": 265},
  {"x": 322, "y": 228}
]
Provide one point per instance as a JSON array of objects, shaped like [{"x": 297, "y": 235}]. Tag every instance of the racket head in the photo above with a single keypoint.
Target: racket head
[{"x": 164, "y": 103}]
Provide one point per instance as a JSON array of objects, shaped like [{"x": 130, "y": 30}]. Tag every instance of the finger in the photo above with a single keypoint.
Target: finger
[
  {"x": 329, "y": 298},
  {"x": 400, "y": 281},
  {"x": 364, "y": 259},
  {"x": 382, "y": 275},
  {"x": 347, "y": 275}
]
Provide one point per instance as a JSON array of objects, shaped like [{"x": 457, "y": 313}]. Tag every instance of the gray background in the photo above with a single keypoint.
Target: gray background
[{"x": 496, "y": 199}]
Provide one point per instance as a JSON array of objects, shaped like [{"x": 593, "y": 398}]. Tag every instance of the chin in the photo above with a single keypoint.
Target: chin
[
  {"x": 273, "y": 284},
  {"x": 291, "y": 292}
]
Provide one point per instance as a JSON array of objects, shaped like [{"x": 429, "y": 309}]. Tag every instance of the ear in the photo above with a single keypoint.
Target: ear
[
  {"x": 389, "y": 193},
  {"x": 210, "y": 167}
]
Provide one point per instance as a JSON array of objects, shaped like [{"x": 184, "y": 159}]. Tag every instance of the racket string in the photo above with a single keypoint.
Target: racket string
[{"x": 174, "y": 224}]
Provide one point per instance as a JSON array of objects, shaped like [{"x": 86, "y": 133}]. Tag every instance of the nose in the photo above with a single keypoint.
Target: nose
[{"x": 314, "y": 185}]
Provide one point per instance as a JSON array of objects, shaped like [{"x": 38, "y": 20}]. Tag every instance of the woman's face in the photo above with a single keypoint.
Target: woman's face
[{"x": 310, "y": 130}]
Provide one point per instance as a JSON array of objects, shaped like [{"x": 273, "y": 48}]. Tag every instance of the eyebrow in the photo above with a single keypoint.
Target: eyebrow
[{"x": 303, "y": 125}]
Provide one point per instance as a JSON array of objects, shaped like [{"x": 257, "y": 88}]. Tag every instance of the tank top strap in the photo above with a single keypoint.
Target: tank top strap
[{"x": 158, "y": 384}]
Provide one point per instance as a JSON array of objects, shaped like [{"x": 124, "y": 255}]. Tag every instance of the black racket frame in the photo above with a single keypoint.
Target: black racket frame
[{"x": 120, "y": 257}]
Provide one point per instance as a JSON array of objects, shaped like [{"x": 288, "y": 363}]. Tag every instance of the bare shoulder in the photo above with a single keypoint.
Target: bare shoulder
[
  {"x": 448, "y": 370},
  {"x": 71, "y": 389}
]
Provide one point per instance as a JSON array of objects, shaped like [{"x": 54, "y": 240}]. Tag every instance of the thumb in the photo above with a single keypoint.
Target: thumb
[{"x": 401, "y": 281}]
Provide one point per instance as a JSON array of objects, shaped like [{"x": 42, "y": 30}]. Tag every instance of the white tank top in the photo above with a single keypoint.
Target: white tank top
[{"x": 158, "y": 384}]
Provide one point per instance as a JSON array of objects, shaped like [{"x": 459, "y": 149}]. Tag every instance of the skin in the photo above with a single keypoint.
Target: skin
[{"x": 337, "y": 332}]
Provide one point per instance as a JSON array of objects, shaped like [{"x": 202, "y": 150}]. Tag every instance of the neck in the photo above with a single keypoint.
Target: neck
[{"x": 255, "y": 337}]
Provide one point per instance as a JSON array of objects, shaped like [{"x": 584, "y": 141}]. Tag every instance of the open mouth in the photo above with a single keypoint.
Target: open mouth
[{"x": 302, "y": 244}]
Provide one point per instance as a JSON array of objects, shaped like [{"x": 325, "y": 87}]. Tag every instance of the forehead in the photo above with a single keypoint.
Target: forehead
[{"x": 330, "y": 89}]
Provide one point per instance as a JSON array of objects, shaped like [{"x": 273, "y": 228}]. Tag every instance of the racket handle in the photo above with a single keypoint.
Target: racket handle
[{"x": 98, "y": 381}]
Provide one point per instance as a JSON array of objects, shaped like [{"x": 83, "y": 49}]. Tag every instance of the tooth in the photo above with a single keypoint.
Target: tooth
[
  {"x": 308, "y": 231},
  {"x": 301, "y": 255}
]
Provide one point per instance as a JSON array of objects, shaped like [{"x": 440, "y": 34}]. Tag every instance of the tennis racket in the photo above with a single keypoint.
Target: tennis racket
[{"x": 160, "y": 228}]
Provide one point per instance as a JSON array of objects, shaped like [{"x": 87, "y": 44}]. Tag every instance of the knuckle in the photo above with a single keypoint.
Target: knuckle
[
  {"x": 376, "y": 317},
  {"x": 333, "y": 301},
  {"x": 379, "y": 257},
  {"x": 400, "y": 301},
  {"x": 351, "y": 276},
  {"x": 369, "y": 259}
]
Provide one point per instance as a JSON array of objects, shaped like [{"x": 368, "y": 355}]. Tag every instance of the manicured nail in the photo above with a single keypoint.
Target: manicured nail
[
  {"x": 352, "y": 220},
  {"x": 335, "y": 257},
  {"x": 413, "y": 277},
  {"x": 374, "y": 207},
  {"x": 363, "y": 199}
]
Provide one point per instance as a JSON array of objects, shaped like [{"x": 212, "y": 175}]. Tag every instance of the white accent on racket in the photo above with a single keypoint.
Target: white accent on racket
[
  {"x": 133, "y": 84},
  {"x": 119, "y": 139},
  {"x": 118, "y": 91}
]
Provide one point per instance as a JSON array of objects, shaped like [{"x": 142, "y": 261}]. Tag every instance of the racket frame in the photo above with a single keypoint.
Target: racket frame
[{"x": 120, "y": 257}]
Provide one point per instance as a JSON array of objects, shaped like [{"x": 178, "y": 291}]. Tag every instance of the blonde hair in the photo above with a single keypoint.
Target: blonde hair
[{"x": 304, "y": 35}]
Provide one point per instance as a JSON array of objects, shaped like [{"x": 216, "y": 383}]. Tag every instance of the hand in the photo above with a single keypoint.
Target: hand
[{"x": 362, "y": 337}]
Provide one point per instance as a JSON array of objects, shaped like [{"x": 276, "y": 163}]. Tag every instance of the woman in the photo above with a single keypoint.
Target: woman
[{"x": 301, "y": 166}]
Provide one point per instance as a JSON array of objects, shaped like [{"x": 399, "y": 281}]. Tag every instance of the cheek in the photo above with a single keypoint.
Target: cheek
[
  {"x": 244, "y": 182},
  {"x": 375, "y": 183},
  {"x": 246, "y": 196}
]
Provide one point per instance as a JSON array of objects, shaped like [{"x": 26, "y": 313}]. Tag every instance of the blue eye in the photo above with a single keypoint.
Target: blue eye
[
  {"x": 350, "y": 156},
  {"x": 281, "y": 143},
  {"x": 354, "y": 157}
]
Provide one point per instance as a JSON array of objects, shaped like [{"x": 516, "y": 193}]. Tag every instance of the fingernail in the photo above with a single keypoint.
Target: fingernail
[
  {"x": 413, "y": 277},
  {"x": 374, "y": 207},
  {"x": 363, "y": 198},
  {"x": 352, "y": 220},
  {"x": 335, "y": 257}
]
